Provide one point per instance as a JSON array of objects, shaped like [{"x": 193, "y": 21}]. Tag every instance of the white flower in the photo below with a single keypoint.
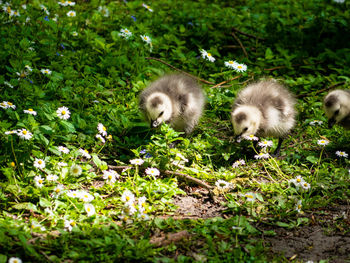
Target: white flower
[
  {"x": 231, "y": 64},
  {"x": 28, "y": 68},
  {"x": 126, "y": 33},
  {"x": 63, "y": 113},
  {"x": 62, "y": 3},
  {"x": 130, "y": 208},
  {"x": 11, "y": 132},
  {"x": 339, "y": 1},
  {"x": 125, "y": 218},
  {"x": 46, "y": 71},
  {"x": 89, "y": 209},
  {"x": 8, "y": 84},
  {"x": 207, "y": 56},
  {"x": 62, "y": 164},
  {"x": 71, "y": 13},
  {"x": 104, "y": 10},
  {"x": 147, "y": 7},
  {"x": 35, "y": 224},
  {"x": 63, "y": 149},
  {"x": 142, "y": 203},
  {"x": 74, "y": 33},
  {"x": 45, "y": 9},
  {"x": 250, "y": 137},
  {"x": 30, "y": 111},
  {"x": 7, "y": 104},
  {"x": 145, "y": 38},
  {"x": 143, "y": 215},
  {"x": 69, "y": 224},
  {"x": 152, "y": 171},
  {"x": 99, "y": 137},
  {"x": 110, "y": 176},
  {"x": 322, "y": 142},
  {"x": 102, "y": 129},
  {"x": 57, "y": 191},
  {"x": 265, "y": 143},
  {"x": 14, "y": 260},
  {"x": 74, "y": 193},
  {"x": 250, "y": 196},
  {"x": 240, "y": 67},
  {"x": 86, "y": 197},
  {"x": 341, "y": 154},
  {"x": 315, "y": 122},
  {"x": 137, "y": 161},
  {"x": 128, "y": 197},
  {"x": 24, "y": 134},
  {"x": 85, "y": 153},
  {"x": 298, "y": 206},
  {"x": 238, "y": 163},
  {"x": 297, "y": 181},
  {"x": 223, "y": 185},
  {"x": 262, "y": 155},
  {"x": 39, "y": 181},
  {"x": 75, "y": 170},
  {"x": 70, "y": 3},
  {"x": 182, "y": 157},
  {"x": 39, "y": 163},
  {"x": 52, "y": 177},
  {"x": 305, "y": 186}
]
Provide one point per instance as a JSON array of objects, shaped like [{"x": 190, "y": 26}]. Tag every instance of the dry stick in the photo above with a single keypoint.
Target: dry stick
[
  {"x": 248, "y": 35},
  {"x": 167, "y": 172},
  {"x": 240, "y": 43},
  {"x": 184, "y": 72},
  {"x": 224, "y": 82},
  {"x": 322, "y": 90}
]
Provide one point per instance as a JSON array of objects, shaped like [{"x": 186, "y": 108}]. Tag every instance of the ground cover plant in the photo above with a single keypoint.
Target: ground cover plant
[{"x": 84, "y": 179}]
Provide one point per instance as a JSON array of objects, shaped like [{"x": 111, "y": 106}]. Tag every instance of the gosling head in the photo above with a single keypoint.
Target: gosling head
[
  {"x": 159, "y": 109},
  {"x": 336, "y": 106},
  {"x": 246, "y": 120}
]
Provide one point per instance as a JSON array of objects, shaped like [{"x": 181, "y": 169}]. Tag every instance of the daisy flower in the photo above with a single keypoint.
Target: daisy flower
[
  {"x": 238, "y": 163},
  {"x": 152, "y": 171},
  {"x": 126, "y": 33},
  {"x": 262, "y": 155},
  {"x": 89, "y": 209},
  {"x": 265, "y": 144},
  {"x": 85, "y": 153},
  {"x": 24, "y": 134},
  {"x": 305, "y": 185},
  {"x": 15, "y": 260},
  {"x": 322, "y": 142},
  {"x": 125, "y": 218},
  {"x": 207, "y": 56},
  {"x": 250, "y": 196},
  {"x": 10, "y": 132},
  {"x": 147, "y": 7},
  {"x": 74, "y": 33},
  {"x": 74, "y": 193},
  {"x": 39, "y": 163},
  {"x": 46, "y": 71},
  {"x": 63, "y": 113},
  {"x": 69, "y": 224},
  {"x": 99, "y": 137},
  {"x": 62, "y": 3},
  {"x": 341, "y": 154},
  {"x": 63, "y": 149},
  {"x": 71, "y": 14},
  {"x": 39, "y": 181},
  {"x": 7, "y": 104},
  {"x": 70, "y": 3},
  {"x": 145, "y": 38},
  {"x": 223, "y": 185},
  {"x": 315, "y": 122},
  {"x": 44, "y": 8},
  {"x": 57, "y": 191},
  {"x": 30, "y": 111},
  {"x": 75, "y": 170},
  {"x": 137, "y": 161},
  {"x": 143, "y": 215},
  {"x": 251, "y": 137},
  {"x": 142, "y": 203},
  {"x": 130, "y": 208},
  {"x": 240, "y": 67},
  {"x": 298, "y": 206},
  {"x": 110, "y": 176},
  {"x": 51, "y": 177},
  {"x": 231, "y": 64},
  {"x": 109, "y": 137},
  {"x": 339, "y": 1},
  {"x": 104, "y": 11},
  {"x": 86, "y": 197},
  {"x": 128, "y": 197},
  {"x": 35, "y": 225},
  {"x": 102, "y": 129}
]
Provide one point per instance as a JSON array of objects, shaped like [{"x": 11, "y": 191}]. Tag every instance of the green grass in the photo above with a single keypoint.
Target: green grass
[{"x": 97, "y": 74}]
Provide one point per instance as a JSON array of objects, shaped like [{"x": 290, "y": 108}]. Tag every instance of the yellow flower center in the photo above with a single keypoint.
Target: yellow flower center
[
  {"x": 63, "y": 112},
  {"x": 9, "y": 103},
  {"x": 249, "y": 196},
  {"x": 127, "y": 198},
  {"x": 110, "y": 177},
  {"x": 30, "y": 109},
  {"x": 86, "y": 151},
  {"x": 209, "y": 54},
  {"x": 230, "y": 62},
  {"x": 8, "y": 9},
  {"x": 298, "y": 180},
  {"x": 40, "y": 162},
  {"x": 57, "y": 190},
  {"x": 104, "y": 128},
  {"x": 72, "y": 223},
  {"x": 299, "y": 206},
  {"x": 75, "y": 170},
  {"x": 40, "y": 181},
  {"x": 71, "y": 14},
  {"x": 12, "y": 164},
  {"x": 24, "y": 132},
  {"x": 239, "y": 66},
  {"x": 88, "y": 209},
  {"x": 143, "y": 204}
]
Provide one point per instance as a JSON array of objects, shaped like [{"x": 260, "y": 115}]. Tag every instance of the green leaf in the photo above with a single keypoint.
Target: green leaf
[
  {"x": 282, "y": 224},
  {"x": 46, "y": 129},
  {"x": 44, "y": 202},
  {"x": 268, "y": 53},
  {"x": 25, "y": 206},
  {"x": 312, "y": 159}
]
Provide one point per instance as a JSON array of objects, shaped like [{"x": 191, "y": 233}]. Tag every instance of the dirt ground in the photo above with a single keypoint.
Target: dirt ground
[{"x": 326, "y": 237}]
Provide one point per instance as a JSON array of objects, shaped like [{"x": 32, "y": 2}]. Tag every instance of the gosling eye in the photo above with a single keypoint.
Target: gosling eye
[
  {"x": 336, "y": 112},
  {"x": 245, "y": 129},
  {"x": 160, "y": 115}
]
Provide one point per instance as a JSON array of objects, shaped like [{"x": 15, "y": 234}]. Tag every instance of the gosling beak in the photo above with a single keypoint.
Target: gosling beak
[{"x": 331, "y": 123}]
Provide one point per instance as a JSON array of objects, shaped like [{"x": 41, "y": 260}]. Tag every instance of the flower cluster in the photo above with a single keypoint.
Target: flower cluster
[
  {"x": 126, "y": 33},
  {"x": 66, "y": 3},
  {"x": 299, "y": 182},
  {"x": 262, "y": 155},
  {"x": 238, "y": 163},
  {"x": 110, "y": 176},
  {"x": 133, "y": 206},
  {"x": 315, "y": 122},
  {"x": 206, "y": 55},
  {"x": 236, "y": 66},
  {"x": 102, "y": 133},
  {"x": 223, "y": 185},
  {"x": 7, "y": 105}
]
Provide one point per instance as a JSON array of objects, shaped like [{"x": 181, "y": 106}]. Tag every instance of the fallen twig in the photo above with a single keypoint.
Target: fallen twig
[
  {"x": 240, "y": 43},
  {"x": 184, "y": 72},
  {"x": 179, "y": 175},
  {"x": 224, "y": 82},
  {"x": 248, "y": 35},
  {"x": 321, "y": 90}
]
